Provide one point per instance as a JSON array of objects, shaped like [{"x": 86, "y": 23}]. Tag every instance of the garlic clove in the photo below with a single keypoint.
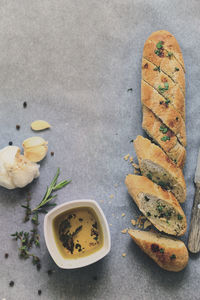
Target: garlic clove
[
  {"x": 35, "y": 148},
  {"x": 40, "y": 125}
]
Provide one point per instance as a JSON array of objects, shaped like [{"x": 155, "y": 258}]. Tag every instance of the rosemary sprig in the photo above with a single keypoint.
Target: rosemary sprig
[{"x": 48, "y": 195}]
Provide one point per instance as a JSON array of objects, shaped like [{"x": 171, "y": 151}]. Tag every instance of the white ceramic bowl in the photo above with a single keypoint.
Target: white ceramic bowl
[{"x": 50, "y": 240}]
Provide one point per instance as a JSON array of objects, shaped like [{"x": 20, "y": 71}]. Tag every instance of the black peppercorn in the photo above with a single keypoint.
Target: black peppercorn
[
  {"x": 25, "y": 104},
  {"x": 11, "y": 283},
  {"x": 18, "y": 127},
  {"x": 10, "y": 143}
]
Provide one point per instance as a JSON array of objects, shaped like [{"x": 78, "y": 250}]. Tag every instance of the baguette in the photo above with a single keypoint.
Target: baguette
[
  {"x": 166, "y": 113},
  {"x": 157, "y": 166},
  {"x": 158, "y": 131},
  {"x": 169, "y": 253},
  {"x": 162, "y": 49},
  {"x": 159, "y": 206},
  {"x": 156, "y": 79}
]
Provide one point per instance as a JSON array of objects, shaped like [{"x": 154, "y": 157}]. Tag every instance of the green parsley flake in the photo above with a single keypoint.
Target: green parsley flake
[
  {"x": 157, "y": 69},
  {"x": 179, "y": 217},
  {"x": 163, "y": 129},
  {"x": 169, "y": 54},
  {"x": 176, "y": 69},
  {"x": 165, "y": 138},
  {"x": 159, "y": 45},
  {"x": 163, "y": 89},
  {"x": 167, "y": 101}
]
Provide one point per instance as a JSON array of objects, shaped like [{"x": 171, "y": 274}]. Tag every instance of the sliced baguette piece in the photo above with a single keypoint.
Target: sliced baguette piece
[
  {"x": 156, "y": 78},
  {"x": 169, "y": 253},
  {"x": 157, "y": 166},
  {"x": 154, "y": 128},
  {"x": 167, "y": 114},
  {"x": 159, "y": 206},
  {"x": 167, "y": 60}
]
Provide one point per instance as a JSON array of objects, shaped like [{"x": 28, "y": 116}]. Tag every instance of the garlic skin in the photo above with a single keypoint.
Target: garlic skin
[
  {"x": 15, "y": 169},
  {"x": 35, "y": 148}
]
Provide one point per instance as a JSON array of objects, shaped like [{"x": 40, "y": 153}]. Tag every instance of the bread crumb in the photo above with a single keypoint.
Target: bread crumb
[
  {"x": 123, "y": 254},
  {"x": 131, "y": 159},
  {"x": 116, "y": 185},
  {"x": 126, "y": 156},
  {"x": 102, "y": 201},
  {"x": 123, "y": 214},
  {"x": 136, "y": 172},
  {"x": 136, "y": 166},
  {"x": 147, "y": 224},
  {"x": 111, "y": 196},
  {"x": 110, "y": 224},
  {"x": 141, "y": 220},
  {"x": 124, "y": 230},
  {"x": 133, "y": 222},
  {"x": 113, "y": 215}
]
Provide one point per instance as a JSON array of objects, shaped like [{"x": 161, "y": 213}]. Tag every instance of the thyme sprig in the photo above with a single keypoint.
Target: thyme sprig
[
  {"x": 27, "y": 239},
  {"x": 31, "y": 238}
]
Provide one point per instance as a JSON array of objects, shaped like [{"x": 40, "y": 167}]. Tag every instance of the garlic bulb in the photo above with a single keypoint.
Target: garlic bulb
[
  {"x": 35, "y": 148},
  {"x": 15, "y": 169}
]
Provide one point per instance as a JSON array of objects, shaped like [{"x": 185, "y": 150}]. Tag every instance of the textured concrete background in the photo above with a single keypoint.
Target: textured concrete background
[{"x": 73, "y": 62}]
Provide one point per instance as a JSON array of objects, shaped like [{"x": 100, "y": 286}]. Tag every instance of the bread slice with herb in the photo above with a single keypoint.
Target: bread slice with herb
[
  {"x": 158, "y": 205},
  {"x": 164, "y": 137},
  {"x": 162, "y": 49},
  {"x": 169, "y": 253},
  {"x": 157, "y": 166},
  {"x": 166, "y": 113},
  {"x": 165, "y": 86}
]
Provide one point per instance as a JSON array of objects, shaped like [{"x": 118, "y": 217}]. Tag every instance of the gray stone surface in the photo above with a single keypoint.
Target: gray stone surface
[{"x": 73, "y": 61}]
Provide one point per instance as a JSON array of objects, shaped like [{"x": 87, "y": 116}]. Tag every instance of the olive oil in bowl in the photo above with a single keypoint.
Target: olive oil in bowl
[{"x": 77, "y": 232}]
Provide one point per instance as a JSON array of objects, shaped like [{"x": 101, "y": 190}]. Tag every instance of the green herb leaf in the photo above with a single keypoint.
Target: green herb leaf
[
  {"x": 166, "y": 84},
  {"x": 167, "y": 101},
  {"x": 176, "y": 69},
  {"x": 157, "y": 69},
  {"x": 159, "y": 45},
  {"x": 173, "y": 256},
  {"x": 163, "y": 129},
  {"x": 170, "y": 54},
  {"x": 149, "y": 175},
  {"x": 179, "y": 217},
  {"x": 165, "y": 138},
  {"x": 162, "y": 250}
]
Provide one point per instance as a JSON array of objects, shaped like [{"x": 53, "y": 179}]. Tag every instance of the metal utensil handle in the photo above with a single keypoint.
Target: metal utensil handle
[{"x": 194, "y": 232}]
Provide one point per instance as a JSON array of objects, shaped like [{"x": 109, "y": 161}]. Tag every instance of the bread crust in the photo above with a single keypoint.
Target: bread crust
[
  {"x": 166, "y": 63},
  {"x": 175, "y": 256},
  {"x": 170, "y": 44},
  {"x": 166, "y": 113},
  {"x": 156, "y": 78},
  {"x": 145, "y": 150},
  {"x": 141, "y": 184},
  {"x": 151, "y": 124}
]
